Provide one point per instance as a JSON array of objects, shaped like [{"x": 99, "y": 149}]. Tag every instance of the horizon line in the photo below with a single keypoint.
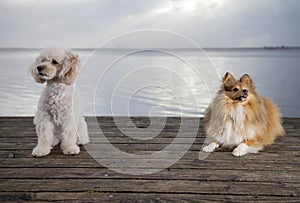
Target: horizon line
[{"x": 131, "y": 48}]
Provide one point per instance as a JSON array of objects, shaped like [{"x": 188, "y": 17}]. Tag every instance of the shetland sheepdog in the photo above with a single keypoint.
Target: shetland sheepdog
[{"x": 239, "y": 118}]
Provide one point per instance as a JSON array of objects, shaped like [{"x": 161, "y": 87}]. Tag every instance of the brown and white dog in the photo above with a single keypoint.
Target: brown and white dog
[{"x": 238, "y": 117}]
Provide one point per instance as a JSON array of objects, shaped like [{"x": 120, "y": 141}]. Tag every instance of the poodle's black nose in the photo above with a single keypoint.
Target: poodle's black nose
[{"x": 40, "y": 68}]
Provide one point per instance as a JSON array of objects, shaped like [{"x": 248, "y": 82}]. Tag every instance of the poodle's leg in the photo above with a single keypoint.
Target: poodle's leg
[
  {"x": 82, "y": 133},
  {"x": 56, "y": 137},
  {"x": 69, "y": 139},
  {"x": 44, "y": 130}
]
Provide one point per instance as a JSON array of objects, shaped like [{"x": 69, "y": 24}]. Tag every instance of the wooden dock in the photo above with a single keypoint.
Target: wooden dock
[{"x": 270, "y": 176}]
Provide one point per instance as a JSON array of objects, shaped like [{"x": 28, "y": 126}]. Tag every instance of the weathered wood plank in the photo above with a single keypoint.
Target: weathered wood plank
[
  {"x": 113, "y": 134},
  {"x": 272, "y": 175},
  {"x": 148, "y": 164},
  {"x": 167, "y": 174},
  {"x": 191, "y": 155},
  {"x": 157, "y": 186},
  {"x": 118, "y": 138},
  {"x": 132, "y": 148},
  {"x": 98, "y": 196}
]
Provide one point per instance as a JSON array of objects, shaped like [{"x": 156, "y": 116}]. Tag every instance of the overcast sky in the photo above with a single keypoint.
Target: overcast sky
[{"x": 210, "y": 23}]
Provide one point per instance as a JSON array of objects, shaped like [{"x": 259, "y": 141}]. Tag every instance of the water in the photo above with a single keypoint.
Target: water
[{"x": 155, "y": 83}]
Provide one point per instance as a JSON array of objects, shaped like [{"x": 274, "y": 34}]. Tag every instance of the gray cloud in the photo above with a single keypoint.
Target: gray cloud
[{"x": 210, "y": 23}]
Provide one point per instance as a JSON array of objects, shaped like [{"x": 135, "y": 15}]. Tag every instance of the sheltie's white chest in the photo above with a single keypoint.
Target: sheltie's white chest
[{"x": 230, "y": 129}]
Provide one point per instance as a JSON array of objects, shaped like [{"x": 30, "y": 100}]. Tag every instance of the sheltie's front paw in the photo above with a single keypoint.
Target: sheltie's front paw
[
  {"x": 211, "y": 147},
  {"x": 241, "y": 150}
]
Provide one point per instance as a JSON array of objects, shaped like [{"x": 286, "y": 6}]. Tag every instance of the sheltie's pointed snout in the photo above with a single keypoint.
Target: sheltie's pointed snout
[{"x": 245, "y": 91}]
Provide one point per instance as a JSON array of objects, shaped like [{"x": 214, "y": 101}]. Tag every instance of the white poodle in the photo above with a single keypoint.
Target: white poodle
[{"x": 58, "y": 119}]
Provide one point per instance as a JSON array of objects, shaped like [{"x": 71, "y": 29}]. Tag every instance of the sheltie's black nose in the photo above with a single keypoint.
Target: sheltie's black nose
[
  {"x": 40, "y": 68},
  {"x": 245, "y": 91}
]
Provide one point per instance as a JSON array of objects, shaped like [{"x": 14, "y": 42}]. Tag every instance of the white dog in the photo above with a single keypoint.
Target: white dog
[{"x": 58, "y": 119}]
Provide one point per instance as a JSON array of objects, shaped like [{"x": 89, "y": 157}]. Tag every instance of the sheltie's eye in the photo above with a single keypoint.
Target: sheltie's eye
[
  {"x": 235, "y": 89},
  {"x": 54, "y": 62}
]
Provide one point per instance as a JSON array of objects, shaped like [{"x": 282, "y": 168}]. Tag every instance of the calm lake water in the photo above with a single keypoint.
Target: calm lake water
[{"x": 155, "y": 82}]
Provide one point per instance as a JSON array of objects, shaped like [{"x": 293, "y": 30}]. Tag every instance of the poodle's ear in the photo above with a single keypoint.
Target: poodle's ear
[
  {"x": 71, "y": 67},
  {"x": 33, "y": 71}
]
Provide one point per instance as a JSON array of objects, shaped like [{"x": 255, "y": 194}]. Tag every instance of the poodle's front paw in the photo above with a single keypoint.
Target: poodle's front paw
[
  {"x": 82, "y": 140},
  {"x": 211, "y": 147},
  {"x": 70, "y": 149},
  {"x": 240, "y": 150},
  {"x": 39, "y": 151}
]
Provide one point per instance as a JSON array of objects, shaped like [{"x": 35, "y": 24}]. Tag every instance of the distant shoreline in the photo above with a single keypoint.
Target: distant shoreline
[{"x": 160, "y": 48}]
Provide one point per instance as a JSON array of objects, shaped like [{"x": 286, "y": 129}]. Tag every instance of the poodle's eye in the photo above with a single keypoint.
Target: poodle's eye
[
  {"x": 54, "y": 62},
  {"x": 235, "y": 89}
]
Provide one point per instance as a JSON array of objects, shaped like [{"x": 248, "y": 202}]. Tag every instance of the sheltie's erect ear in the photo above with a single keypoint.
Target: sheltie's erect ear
[
  {"x": 247, "y": 80},
  {"x": 228, "y": 81}
]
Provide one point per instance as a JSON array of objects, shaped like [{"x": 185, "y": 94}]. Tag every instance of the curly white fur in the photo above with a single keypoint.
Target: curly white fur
[{"x": 58, "y": 118}]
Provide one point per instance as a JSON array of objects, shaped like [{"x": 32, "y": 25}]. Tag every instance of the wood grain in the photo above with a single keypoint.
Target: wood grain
[{"x": 272, "y": 175}]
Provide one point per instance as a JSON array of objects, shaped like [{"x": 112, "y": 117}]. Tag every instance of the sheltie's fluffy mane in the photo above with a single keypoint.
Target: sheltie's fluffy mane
[{"x": 238, "y": 116}]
